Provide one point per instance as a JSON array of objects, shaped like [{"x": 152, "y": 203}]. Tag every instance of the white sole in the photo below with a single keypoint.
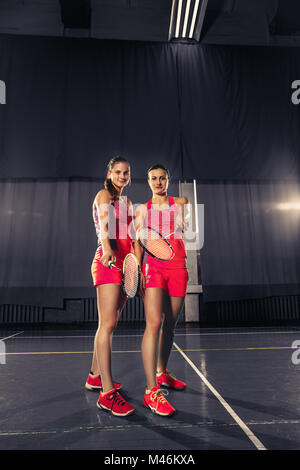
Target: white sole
[
  {"x": 92, "y": 387},
  {"x": 157, "y": 412},
  {"x": 172, "y": 388},
  {"x": 101, "y": 407}
]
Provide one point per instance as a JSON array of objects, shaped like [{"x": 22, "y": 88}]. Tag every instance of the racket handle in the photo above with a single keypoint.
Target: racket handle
[{"x": 112, "y": 264}]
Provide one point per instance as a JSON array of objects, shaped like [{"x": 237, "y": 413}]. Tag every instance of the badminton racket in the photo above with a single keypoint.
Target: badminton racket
[
  {"x": 131, "y": 274},
  {"x": 155, "y": 243}
]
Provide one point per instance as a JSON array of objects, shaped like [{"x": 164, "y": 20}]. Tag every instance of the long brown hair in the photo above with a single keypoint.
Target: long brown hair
[{"x": 108, "y": 183}]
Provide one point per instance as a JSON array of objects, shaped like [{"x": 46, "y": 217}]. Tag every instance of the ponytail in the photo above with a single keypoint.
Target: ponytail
[{"x": 110, "y": 187}]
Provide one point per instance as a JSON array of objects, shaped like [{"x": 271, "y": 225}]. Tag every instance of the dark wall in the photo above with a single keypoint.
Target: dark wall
[
  {"x": 220, "y": 115},
  {"x": 48, "y": 239},
  {"x": 208, "y": 112},
  {"x": 251, "y": 240}
]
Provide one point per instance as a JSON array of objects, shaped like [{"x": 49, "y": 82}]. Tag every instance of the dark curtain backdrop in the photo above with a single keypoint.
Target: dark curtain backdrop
[
  {"x": 251, "y": 244},
  {"x": 208, "y": 112},
  {"x": 237, "y": 117},
  {"x": 220, "y": 115},
  {"x": 48, "y": 239},
  {"x": 72, "y": 105}
]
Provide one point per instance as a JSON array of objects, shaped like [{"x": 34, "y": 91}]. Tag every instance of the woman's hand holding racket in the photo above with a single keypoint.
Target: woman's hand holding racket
[
  {"x": 144, "y": 280},
  {"x": 108, "y": 257},
  {"x": 131, "y": 274}
]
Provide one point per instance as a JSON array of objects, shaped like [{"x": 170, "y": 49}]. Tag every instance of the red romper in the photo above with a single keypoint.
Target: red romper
[
  {"x": 172, "y": 276},
  {"x": 119, "y": 221}
]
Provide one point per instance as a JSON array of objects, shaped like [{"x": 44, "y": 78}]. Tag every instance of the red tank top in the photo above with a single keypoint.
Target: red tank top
[{"x": 164, "y": 221}]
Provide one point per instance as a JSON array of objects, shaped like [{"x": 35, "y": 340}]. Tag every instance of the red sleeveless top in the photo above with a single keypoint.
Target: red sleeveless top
[
  {"x": 119, "y": 222},
  {"x": 164, "y": 221}
]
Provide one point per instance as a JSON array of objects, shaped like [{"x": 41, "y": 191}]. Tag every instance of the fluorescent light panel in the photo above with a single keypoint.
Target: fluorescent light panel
[
  {"x": 196, "y": 6},
  {"x": 186, "y": 19},
  {"x": 179, "y": 9}
]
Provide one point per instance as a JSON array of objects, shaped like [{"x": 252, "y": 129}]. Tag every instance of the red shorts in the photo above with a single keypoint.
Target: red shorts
[
  {"x": 172, "y": 281},
  {"x": 103, "y": 275}
]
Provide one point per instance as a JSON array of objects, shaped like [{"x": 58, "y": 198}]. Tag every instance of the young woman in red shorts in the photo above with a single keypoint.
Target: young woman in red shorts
[
  {"x": 164, "y": 285},
  {"x": 112, "y": 215}
]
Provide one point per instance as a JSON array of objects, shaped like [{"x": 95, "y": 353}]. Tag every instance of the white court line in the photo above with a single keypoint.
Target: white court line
[
  {"x": 258, "y": 444},
  {"x": 176, "y": 334},
  {"x": 11, "y": 336},
  {"x": 241, "y": 333}
]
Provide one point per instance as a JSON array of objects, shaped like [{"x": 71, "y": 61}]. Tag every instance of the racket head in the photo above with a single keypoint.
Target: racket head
[
  {"x": 155, "y": 244},
  {"x": 131, "y": 275}
]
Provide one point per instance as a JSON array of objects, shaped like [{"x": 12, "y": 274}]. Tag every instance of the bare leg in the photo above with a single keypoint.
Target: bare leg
[
  {"x": 153, "y": 302},
  {"x": 95, "y": 368},
  {"x": 110, "y": 300},
  {"x": 172, "y": 308}
]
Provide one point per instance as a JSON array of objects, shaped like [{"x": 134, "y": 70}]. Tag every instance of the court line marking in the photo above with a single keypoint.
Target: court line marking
[
  {"x": 248, "y": 348},
  {"x": 258, "y": 444},
  {"x": 11, "y": 336},
  {"x": 125, "y": 351},
  {"x": 127, "y": 427},
  {"x": 176, "y": 334}
]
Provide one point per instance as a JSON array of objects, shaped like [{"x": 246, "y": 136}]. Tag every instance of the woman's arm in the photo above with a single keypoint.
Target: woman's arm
[
  {"x": 140, "y": 215},
  {"x": 102, "y": 202},
  {"x": 183, "y": 213},
  {"x": 139, "y": 220}
]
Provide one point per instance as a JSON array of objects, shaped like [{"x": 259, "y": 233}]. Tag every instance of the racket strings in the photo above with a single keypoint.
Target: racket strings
[
  {"x": 131, "y": 277},
  {"x": 155, "y": 244}
]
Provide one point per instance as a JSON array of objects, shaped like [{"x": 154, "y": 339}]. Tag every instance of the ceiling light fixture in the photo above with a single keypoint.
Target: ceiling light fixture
[{"x": 186, "y": 20}]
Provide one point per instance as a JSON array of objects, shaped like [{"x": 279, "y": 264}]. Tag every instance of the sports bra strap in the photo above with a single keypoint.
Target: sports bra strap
[{"x": 171, "y": 202}]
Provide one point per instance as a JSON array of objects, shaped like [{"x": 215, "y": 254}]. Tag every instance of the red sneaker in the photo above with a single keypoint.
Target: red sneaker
[
  {"x": 168, "y": 380},
  {"x": 156, "y": 401},
  {"x": 94, "y": 382},
  {"x": 113, "y": 402}
]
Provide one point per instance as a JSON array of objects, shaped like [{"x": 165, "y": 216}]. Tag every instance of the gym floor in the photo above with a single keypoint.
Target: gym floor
[{"x": 242, "y": 391}]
